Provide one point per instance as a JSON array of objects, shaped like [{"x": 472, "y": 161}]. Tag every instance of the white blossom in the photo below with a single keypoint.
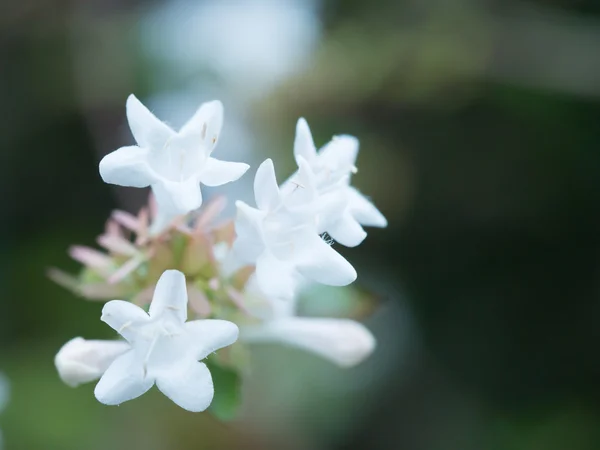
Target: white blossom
[
  {"x": 172, "y": 163},
  {"x": 165, "y": 349},
  {"x": 333, "y": 166},
  {"x": 283, "y": 242}
]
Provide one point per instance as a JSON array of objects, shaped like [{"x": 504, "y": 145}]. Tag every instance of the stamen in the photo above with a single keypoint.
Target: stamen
[
  {"x": 124, "y": 326},
  {"x": 298, "y": 185},
  {"x": 152, "y": 345},
  {"x": 167, "y": 142}
]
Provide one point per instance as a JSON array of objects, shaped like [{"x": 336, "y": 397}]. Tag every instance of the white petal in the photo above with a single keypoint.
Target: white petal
[
  {"x": 342, "y": 341},
  {"x": 124, "y": 380},
  {"x": 205, "y": 124},
  {"x": 266, "y": 191},
  {"x": 178, "y": 197},
  {"x": 216, "y": 172},
  {"x": 127, "y": 166},
  {"x": 123, "y": 317},
  {"x": 170, "y": 296},
  {"x": 330, "y": 207},
  {"x": 162, "y": 221},
  {"x": 275, "y": 277},
  {"x": 188, "y": 385},
  {"x": 302, "y": 185},
  {"x": 316, "y": 260},
  {"x": 148, "y": 131},
  {"x": 364, "y": 211},
  {"x": 207, "y": 336},
  {"x": 81, "y": 361},
  {"x": 248, "y": 244},
  {"x": 347, "y": 231},
  {"x": 303, "y": 143},
  {"x": 339, "y": 154}
]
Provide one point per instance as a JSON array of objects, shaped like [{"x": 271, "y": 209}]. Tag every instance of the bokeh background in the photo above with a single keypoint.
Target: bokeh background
[{"x": 479, "y": 123}]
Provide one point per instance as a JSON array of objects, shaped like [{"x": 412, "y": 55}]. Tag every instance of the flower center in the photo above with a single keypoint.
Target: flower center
[
  {"x": 156, "y": 345},
  {"x": 179, "y": 159}
]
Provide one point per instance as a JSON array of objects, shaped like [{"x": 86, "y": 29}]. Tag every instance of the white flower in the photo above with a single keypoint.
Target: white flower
[
  {"x": 81, "y": 361},
  {"x": 172, "y": 163},
  {"x": 341, "y": 341},
  {"x": 164, "y": 348},
  {"x": 283, "y": 242},
  {"x": 333, "y": 166}
]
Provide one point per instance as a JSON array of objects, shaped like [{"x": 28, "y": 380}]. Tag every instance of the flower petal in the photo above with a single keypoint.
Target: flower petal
[
  {"x": 330, "y": 207},
  {"x": 177, "y": 197},
  {"x": 127, "y": 166},
  {"x": 364, "y": 211},
  {"x": 123, "y": 380},
  {"x": 274, "y": 276},
  {"x": 342, "y": 341},
  {"x": 303, "y": 143},
  {"x": 301, "y": 188},
  {"x": 248, "y": 244},
  {"x": 162, "y": 221},
  {"x": 188, "y": 385},
  {"x": 316, "y": 260},
  {"x": 216, "y": 172},
  {"x": 266, "y": 191},
  {"x": 347, "y": 231},
  {"x": 205, "y": 124},
  {"x": 207, "y": 336},
  {"x": 338, "y": 156},
  {"x": 123, "y": 317},
  {"x": 80, "y": 361},
  {"x": 148, "y": 131},
  {"x": 170, "y": 296}
]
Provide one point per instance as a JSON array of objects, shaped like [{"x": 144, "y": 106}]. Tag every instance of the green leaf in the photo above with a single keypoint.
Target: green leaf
[{"x": 227, "y": 397}]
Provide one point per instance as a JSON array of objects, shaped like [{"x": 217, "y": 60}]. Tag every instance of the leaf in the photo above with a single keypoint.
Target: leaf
[{"x": 228, "y": 396}]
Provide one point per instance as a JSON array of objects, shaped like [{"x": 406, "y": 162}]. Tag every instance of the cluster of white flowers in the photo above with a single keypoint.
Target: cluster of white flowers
[{"x": 276, "y": 249}]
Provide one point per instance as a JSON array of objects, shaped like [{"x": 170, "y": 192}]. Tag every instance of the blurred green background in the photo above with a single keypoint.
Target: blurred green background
[{"x": 479, "y": 123}]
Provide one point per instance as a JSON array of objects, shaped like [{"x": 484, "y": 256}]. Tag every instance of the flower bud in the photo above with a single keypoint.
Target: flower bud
[
  {"x": 81, "y": 361},
  {"x": 342, "y": 341}
]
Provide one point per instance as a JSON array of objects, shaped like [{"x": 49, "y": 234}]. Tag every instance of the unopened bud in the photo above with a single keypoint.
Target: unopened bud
[{"x": 81, "y": 361}]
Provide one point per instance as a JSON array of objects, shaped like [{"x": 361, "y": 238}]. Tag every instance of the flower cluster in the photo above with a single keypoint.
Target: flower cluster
[{"x": 239, "y": 279}]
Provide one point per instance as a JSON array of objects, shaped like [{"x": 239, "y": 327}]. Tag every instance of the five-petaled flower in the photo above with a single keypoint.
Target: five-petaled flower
[
  {"x": 283, "y": 241},
  {"x": 165, "y": 349},
  {"x": 172, "y": 163},
  {"x": 333, "y": 165}
]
